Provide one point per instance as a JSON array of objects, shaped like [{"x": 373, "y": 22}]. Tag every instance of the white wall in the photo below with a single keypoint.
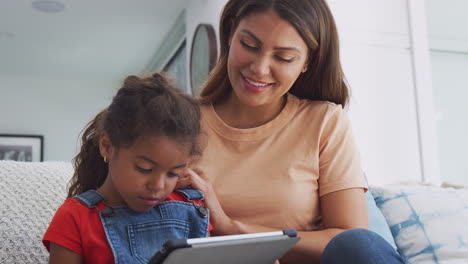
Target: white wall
[
  {"x": 56, "y": 108},
  {"x": 448, "y": 39},
  {"x": 376, "y": 56}
]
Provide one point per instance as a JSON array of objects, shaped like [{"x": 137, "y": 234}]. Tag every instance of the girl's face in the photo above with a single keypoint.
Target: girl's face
[
  {"x": 266, "y": 56},
  {"x": 144, "y": 174}
]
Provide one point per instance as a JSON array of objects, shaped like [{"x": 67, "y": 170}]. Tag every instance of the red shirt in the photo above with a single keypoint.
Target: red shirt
[{"x": 79, "y": 229}]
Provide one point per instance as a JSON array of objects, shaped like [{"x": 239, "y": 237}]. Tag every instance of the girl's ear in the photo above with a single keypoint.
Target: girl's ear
[{"x": 105, "y": 146}]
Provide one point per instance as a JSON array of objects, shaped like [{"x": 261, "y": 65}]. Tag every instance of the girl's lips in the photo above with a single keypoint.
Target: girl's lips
[
  {"x": 150, "y": 201},
  {"x": 255, "y": 88}
]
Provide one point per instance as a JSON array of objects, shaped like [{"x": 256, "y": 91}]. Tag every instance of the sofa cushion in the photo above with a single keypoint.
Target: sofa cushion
[
  {"x": 377, "y": 222},
  {"x": 429, "y": 224},
  {"x": 30, "y": 193}
]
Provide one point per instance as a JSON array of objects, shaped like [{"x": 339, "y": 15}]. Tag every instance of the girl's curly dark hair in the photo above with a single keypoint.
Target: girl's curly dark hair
[{"x": 142, "y": 107}]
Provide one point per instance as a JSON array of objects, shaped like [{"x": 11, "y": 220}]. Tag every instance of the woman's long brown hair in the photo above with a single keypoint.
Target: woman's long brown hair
[{"x": 324, "y": 78}]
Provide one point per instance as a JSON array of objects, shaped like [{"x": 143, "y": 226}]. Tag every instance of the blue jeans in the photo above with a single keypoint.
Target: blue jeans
[{"x": 359, "y": 246}]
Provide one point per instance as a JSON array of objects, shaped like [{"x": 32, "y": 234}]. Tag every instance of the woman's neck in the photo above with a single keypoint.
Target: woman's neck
[{"x": 238, "y": 115}]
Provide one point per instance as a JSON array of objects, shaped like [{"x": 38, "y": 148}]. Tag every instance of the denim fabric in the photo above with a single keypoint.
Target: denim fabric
[
  {"x": 359, "y": 246},
  {"x": 134, "y": 237}
]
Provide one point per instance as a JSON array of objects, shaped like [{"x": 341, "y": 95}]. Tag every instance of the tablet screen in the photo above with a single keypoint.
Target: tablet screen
[{"x": 256, "y": 248}]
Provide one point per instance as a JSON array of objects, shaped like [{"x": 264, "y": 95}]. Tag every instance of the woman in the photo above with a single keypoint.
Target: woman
[{"x": 280, "y": 152}]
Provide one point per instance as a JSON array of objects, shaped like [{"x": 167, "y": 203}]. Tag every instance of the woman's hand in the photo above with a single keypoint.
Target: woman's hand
[{"x": 222, "y": 224}]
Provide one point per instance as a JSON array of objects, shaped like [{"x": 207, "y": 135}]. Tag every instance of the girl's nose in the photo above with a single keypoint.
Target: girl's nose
[{"x": 157, "y": 182}]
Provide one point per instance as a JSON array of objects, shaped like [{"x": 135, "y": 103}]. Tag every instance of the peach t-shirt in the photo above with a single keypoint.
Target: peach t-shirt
[{"x": 274, "y": 174}]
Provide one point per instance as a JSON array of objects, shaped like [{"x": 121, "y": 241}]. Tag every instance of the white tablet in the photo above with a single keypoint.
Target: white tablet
[{"x": 256, "y": 248}]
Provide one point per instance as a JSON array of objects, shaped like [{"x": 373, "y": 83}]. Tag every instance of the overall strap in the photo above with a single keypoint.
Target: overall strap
[
  {"x": 190, "y": 193},
  {"x": 89, "y": 198}
]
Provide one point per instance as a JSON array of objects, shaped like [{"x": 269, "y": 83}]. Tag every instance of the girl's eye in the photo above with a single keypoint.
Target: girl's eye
[
  {"x": 172, "y": 174},
  {"x": 248, "y": 45},
  {"x": 143, "y": 170},
  {"x": 285, "y": 59}
]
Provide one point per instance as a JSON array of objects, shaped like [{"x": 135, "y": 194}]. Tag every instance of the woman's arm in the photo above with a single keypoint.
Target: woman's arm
[
  {"x": 59, "y": 254},
  {"x": 341, "y": 210}
]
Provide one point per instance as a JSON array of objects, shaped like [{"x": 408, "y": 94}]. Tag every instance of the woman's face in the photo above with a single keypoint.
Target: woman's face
[{"x": 266, "y": 56}]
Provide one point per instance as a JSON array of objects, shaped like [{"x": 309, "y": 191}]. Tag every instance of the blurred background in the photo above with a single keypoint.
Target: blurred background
[{"x": 61, "y": 61}]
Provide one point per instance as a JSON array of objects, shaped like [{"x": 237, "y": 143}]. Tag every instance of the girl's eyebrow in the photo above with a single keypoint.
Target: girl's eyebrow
[
  {"x": 155, "y": 163},
  {"x": 276, "y": 48}
]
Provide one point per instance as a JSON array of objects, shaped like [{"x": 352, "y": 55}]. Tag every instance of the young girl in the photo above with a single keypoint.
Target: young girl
[{"x": 121, "y": 207}]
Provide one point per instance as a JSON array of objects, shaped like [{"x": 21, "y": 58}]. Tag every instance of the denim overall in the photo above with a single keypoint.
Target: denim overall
[{"x": 135, "y": 237}]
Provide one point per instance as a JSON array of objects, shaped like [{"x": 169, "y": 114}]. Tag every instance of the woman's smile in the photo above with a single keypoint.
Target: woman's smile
[{"x": 255, "y": 86}]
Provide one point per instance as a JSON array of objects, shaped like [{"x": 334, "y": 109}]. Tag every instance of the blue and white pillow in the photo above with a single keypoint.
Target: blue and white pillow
[
  {"x": 429, "y": 224},
  {"x": 377, "y": 222}
]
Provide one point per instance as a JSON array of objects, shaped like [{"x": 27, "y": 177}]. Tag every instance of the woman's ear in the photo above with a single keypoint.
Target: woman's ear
[
  {"x": 105, "y": 146},
  {"x": 306, "y": 64}
]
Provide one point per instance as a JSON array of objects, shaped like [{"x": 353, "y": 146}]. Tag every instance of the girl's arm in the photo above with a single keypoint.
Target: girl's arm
[
  {"x": 59, "y": 254},
  {"x": 341, "y": 210}
]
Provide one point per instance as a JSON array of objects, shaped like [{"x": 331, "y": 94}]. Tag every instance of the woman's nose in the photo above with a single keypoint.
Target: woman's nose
[{"x": 260, "y": 66}]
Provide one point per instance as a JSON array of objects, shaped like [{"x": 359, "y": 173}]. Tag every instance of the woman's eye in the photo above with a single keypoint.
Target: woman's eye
[
  {"x": 248, "y": 45},
  {"x": 143, "y": 170},
  {"x": 285, "y": 59}
]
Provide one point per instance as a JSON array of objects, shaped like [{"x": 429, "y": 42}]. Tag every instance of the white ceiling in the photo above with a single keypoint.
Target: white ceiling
[{"x": 89, "y": 38}]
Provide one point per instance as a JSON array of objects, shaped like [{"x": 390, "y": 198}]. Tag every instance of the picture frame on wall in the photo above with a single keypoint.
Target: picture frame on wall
[
  {"x": 203, "y": 56},
  {"x": 176, "y": 67},
  {"x": 28, "y": 148}
]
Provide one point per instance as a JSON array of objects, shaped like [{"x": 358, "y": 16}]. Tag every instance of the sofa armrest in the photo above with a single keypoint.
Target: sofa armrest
[{"x": 30, "y": 193}]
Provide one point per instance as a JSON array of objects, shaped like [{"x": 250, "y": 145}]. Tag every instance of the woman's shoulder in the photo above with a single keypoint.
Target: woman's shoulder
[
  {"x": 206, "y": 107},
  {"x": 317, "y": 108}
]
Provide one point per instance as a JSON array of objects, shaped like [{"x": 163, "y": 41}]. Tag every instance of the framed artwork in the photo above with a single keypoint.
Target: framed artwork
[
  {"x": 177, "y": 67},
  {"x": 21, "y": 147},
  {"x": 203, "y": 56}
]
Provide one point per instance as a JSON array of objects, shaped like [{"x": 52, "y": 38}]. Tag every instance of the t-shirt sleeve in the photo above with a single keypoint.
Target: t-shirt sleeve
[
  {"x": 339, "y": 161},
  {"x": 64, "y": 228}
]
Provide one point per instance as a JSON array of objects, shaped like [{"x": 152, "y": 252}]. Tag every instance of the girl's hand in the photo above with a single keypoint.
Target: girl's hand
[{"x": 222, "y": 224}]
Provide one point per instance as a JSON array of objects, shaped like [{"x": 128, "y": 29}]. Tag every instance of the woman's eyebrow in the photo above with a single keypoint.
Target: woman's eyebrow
[
  {"x": 276, "y": 48},
  {"x": 251, "y": 35}
]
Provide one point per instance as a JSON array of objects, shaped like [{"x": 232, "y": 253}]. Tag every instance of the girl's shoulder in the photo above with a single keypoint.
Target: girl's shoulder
[
  {"x": 75, "y": 207},
  {"x": 177, "y": 196}
]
